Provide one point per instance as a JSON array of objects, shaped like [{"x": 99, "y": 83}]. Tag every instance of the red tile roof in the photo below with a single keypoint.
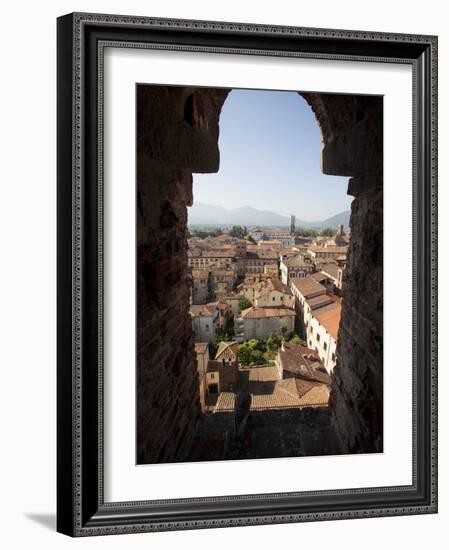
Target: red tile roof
[
  {"x": 330, "y": 318},
  {"x": 255, "y": 312},
  {"x": 302, "y": 362},
  {"x": 308, "y": 286},
  {"x": 206, "y": 310},
  {"x": 272, "y": 283},
  {"x": 227, "y": 350}
]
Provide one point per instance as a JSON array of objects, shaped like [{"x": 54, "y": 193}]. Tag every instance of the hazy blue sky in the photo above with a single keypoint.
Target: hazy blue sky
[{"x": 270, "y": 148}]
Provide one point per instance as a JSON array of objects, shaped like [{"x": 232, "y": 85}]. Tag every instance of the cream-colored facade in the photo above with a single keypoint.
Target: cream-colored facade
[
  {"x": 269, "y": 293},
  {"x": 261, "y": 322},
  {"x": 319, "y": 339}
]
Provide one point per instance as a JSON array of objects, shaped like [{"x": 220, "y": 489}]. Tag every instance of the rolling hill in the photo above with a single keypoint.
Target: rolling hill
[{"x": 213, "y": 215}]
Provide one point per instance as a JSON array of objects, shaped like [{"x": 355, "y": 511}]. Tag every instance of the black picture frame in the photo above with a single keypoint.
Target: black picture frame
[{"x": 81, "y": 510}]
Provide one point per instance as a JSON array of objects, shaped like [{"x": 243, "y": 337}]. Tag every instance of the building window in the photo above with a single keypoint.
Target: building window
[
  {"x": 212, "y": 376},
  {"x": 207, "y": 328},
  {"x": 318, "y": 337},
  {"x": 333, "y": 357},
  {"x": 325, "y": 346}
]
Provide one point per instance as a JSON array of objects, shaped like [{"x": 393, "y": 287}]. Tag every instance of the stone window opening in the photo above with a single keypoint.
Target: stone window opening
[{"x": 351, "y": 133}]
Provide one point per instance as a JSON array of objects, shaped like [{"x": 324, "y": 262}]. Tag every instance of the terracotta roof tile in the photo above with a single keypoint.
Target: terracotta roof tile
[
  {"x": 302, "y": 362},
  {"x": 330, "y": 269},
  {"x": 227, "y": 350},
  {"x": 255, "y": 312},
  {"x": 308, "y": 286},
  {"x": 330, "y": 318},
  {"x": 206, "y": 310},
  {"x": 272, "y": 283}
]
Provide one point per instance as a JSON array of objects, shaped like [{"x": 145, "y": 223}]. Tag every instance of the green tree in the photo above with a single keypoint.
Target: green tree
[
  {"x": 257, "y": 356},
  {"x": 244, "y": 304},
  {"x": 237, "y": 231},
  {"x": 274, "y": 341},
  {"x": 256, "y": 344},
  {"x": 302, "y": 232},
  {"x": 244, "y": 354},
  {"x": 249, "y": 352},
  {"x": 328, "y": 232},
  {"x": 229, "y": 329},
  {"x": 295, "y": 339}
]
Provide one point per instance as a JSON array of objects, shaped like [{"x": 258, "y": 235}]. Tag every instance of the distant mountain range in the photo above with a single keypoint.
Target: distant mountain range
[{"x": 212, "y": 215}]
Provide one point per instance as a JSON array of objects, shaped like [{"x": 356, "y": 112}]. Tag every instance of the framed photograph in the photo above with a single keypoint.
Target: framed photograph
[{"x": 247, "y": 283}]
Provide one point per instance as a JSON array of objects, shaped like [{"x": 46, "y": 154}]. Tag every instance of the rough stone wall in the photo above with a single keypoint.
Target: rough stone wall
[
  {"x": 352, "y": 132},
  {"x": 177, "y": 134},
  {"x": 356, "y": 398}
]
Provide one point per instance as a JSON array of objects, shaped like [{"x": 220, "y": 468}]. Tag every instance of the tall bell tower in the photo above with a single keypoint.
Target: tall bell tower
[{"x": 292, "y": 224}]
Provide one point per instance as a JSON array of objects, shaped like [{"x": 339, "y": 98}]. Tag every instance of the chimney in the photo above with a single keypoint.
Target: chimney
[{"x": 341, "y": 229}]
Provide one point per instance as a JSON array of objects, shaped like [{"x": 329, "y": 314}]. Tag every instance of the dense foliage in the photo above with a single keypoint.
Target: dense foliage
[
  {"x": 244, "y": 304},
  {"x": 238, "y": 231},
  {"x": 326, "y": 232},
  {"x": 203, "y": 232},
  {"x": 263, "y": 351}
]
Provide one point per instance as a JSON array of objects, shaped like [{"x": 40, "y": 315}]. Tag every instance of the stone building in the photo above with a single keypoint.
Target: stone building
[
  {"x": 205, "y": 321},
  {"x": 341, "y": 238},
  {"x": 257, "y": 261},
  {"x": 297, "y": 361},
  {"x": 326, "y": 252},
  {"x": 271, "y": 271},
  {"x": 201, "y": 286},
  {"x": 260, "y": 322},
  {"x": 269, "y": 292},
  {"x": 233, "y": 301},
  {"x": 322, "y": 333},
  {"x": 222, "y": 280},
  {"x": 294, "y": 267},
  {"x": 270, "y": 244},
  {"x": 202, "y": 360},
  {"x": 213, "y": 378},
  {"x": 256, "y": 235},
  {"x": 219, "y": 258},
  {"x": 305, "y": 288},
  {"x": 319, "y": 318},
  {"x": 285, "y": 237},
  {"x": 309, "y": 294},
  {"x": 221, "y": 376},
  {"x": 227, "y": 353},
  {"x": 334, "y": 277},
  {"x": 240, "y": 248}
]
